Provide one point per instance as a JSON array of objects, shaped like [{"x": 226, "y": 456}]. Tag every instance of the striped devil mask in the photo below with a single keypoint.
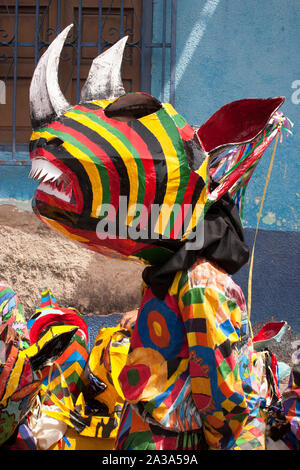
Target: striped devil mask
[{"x": 126, "y": 175}]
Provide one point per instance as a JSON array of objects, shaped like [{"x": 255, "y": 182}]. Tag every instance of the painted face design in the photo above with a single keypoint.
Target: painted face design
[{"x": 123, "y": 174}]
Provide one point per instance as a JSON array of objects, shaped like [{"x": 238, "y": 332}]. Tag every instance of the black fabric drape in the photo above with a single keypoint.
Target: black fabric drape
[{"x": 223, "y": 243}]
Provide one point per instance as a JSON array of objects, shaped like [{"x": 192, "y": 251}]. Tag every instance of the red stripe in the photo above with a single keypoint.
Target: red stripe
[
  {"x": 110, "y": 247},
  {"x": 75, "y": 346},
  {"x": 229, "y": 181},
  {"x": 7, "y": 368},
  {"x": 139, "y": 145},
  {"x": 68, "y": 317},
  {"x": 179, "y": 222},
  {"x": 47, "y": 198},
  {"x": 113, "y": 176},
  {"x": 186, "y": 132}
]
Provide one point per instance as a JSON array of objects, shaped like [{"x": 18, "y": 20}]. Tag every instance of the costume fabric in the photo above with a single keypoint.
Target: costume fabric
[
  {"x": 11, "y": 314},
  {"x": 71, "y": 362},
  {"x": 19, "y": 383},
  {"x": 221, "y": 242},
  {"x": 191, "y": 379},
  {"x": 191, "y": 367}
]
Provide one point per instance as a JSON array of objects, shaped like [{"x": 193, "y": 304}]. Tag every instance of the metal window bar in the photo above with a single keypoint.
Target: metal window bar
[{"x": 145, "y": 45}]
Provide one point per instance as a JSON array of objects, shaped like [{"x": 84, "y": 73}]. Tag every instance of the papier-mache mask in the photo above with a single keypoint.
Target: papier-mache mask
[
  {"x": 20, "y": 376},
  {"x": 126, "y": 175}
]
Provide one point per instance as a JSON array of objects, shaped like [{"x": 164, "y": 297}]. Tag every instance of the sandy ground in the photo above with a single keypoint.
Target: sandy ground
[{"x": 33, "y": 257}]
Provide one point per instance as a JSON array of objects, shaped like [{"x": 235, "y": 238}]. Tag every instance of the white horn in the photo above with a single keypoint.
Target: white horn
[
  {"x": 41, "y": 109},
  {"x": 104, "y": 80},
  {"x": 45, "y": 96},
  {"x": 58, "y": 101}
]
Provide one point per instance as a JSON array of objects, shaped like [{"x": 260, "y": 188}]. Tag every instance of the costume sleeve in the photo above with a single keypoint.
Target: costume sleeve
[
  {"x": 212, "y": 324},
  {"x": 291, "y": 397}
]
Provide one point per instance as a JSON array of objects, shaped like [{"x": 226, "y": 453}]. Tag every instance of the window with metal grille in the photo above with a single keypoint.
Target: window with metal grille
[{"x": 27, "y": 27}]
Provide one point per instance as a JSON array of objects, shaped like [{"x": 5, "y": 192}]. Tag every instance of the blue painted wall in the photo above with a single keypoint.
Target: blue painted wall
[{"x": 232, "y": 49}]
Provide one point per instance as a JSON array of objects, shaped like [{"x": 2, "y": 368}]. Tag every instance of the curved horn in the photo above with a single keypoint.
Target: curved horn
[
  {"x": 41, "y": 109},
  {"x": 58, "y": 101},
  {"x": 45, "y": 104},
  {"x": 104, "y": 80}
]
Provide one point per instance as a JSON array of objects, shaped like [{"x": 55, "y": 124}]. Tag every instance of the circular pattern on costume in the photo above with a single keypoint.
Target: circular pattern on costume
[
  {"x": 160, "y": 328},
  {"x": 145, "y": 375},
  {"x": 133, "y": 380}
]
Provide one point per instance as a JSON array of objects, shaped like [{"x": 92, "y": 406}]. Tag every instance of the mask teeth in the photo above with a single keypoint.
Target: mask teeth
[
  {"x": 36, "y": 174},
  {"x": 59, "y": 190},
  {"x": 43, "y": 169}
]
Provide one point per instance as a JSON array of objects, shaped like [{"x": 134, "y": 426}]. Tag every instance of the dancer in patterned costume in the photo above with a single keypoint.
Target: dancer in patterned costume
[
  {"x": 192, "y": 378},
  {"x": 21, "y": 367}
]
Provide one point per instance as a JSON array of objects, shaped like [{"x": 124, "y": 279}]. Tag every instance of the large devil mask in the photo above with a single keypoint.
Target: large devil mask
[{"x": 126, "y": 175}]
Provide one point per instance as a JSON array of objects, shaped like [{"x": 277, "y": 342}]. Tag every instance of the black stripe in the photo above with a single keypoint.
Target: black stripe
[
  {"x": 109, "y": 150},
  {"x": 195, "y": 324},
  {"x": 91, "y": 106},
  {"x": 160, "y": 168},
  {"x": 158, "y": 157},
  {"x": 78, "y": 169},
  {"x": 61, "y": 154},
  {"x": 40, "y": 142}
]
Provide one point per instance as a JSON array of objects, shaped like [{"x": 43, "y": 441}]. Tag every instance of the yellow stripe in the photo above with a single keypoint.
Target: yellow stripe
[
  {"x": 93, "y": 175},
  {"x": 57, "y": 226},
  {"x": 51, "y": 333},
  {"x": 46, "y": 135},
  {"x": 87, "y": 163},
  {"x": 153, "y": 124},
  {"x": 14, "y": 378},
  {"x": 56, "y": 381},
  {"x": 102, "y": 103},
  {"x": 126, "y": 155},
  {"x": 175, "y": 285},
  {"x": 169, "y": 108},
  {"x": 197, "y": 212}
]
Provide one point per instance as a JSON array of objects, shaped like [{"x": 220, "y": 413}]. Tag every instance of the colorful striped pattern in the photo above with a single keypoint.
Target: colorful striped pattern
[
  {"x": 11, "y": 313},
  {"x": 49, "y": 313},
  {"x": 47, "y": 301},
  {"x": 291, "y": 397},
  {"x": 71, "y": 363},
  {"x": 233, "y": 169},
  {"x": 143, "y": 160},
  {"x": 190, "y": 365},
  {"x": 95, "y": 413},
  {"x": 19, "y": 384}
]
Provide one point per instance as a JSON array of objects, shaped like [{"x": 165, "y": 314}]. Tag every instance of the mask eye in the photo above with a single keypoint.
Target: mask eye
[
  {"x": 132, "y": 106},
  {"x": 56, "y": 142}
]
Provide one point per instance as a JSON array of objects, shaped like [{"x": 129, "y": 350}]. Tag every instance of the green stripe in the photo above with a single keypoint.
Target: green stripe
[
  {"x": 74, "y": 377},
  {"x": 182, "y": 281},
  {"x": 193, "y": 296},
  {"x": 171, "y": 129},
  {"x": 103, "y": 173},
  {"x": 179, "y": 121},
  {"x": 128, "y": 145}
]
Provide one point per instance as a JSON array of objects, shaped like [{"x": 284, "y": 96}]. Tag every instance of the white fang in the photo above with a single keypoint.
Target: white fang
[{"x": 43, "y": 168}]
